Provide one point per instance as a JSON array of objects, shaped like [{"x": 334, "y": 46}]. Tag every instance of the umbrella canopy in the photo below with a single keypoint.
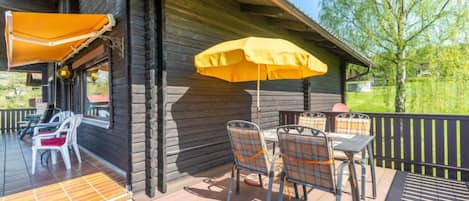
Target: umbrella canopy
[
  {"x": 255, "y": 58},
  {"x": 50, "y": 37}
]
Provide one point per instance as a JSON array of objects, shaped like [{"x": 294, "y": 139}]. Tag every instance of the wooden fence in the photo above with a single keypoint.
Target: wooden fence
[
  {"x": 9, "y": 118},
  {"x": 420, "y": 143}
]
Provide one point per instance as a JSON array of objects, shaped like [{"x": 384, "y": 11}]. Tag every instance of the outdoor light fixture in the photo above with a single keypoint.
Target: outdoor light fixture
[
  {"x": 94, "y": 75},
  {"x": 64, "y": 73}
]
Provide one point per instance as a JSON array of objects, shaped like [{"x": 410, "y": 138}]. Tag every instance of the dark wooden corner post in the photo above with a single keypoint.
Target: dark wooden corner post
[
  {"x": 161, "y": 94},
  {"x": 343, "y": 79},
  {"x": 152, "y": 121},
  {"x": 307, "y": 94}
]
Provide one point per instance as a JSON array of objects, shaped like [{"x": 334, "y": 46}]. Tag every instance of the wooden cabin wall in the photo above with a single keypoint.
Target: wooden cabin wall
[
  {"x": 197, "y": 107},
  {"x": 110, "y": 144}
]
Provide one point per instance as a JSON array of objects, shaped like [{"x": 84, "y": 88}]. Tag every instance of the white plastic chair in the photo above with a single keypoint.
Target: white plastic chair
[
  {"x": 55, "y": 142},
  {"x": 59, "y": 117}
]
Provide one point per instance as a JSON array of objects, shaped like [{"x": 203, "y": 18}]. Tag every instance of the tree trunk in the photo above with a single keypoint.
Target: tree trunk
[{"x": 400, "y": 83}]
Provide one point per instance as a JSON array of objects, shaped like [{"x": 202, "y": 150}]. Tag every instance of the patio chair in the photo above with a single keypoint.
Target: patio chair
[
  {"x": 250, "y": 154},
  {"x": 315, "y": 120},
  {"x": 308, "y": 160},
  {"x": 59, "y": 117},
  {"x": 355, "y": 124},
  {"x": 56, "y": 142}
]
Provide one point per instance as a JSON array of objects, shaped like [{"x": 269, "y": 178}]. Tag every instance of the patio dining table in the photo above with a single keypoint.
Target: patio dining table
[{"x": 350, "y": 145}]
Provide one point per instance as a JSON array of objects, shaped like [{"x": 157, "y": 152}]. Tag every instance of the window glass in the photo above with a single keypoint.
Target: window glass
[{"x": 96, "y": 103}]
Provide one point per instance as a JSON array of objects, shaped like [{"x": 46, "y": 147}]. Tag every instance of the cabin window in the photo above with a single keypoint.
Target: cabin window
[{"x": 96, "y": 91}]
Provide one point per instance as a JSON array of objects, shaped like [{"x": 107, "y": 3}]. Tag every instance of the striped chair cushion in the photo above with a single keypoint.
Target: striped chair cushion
[
  {"x": 249, "y": 149},
  {"x": 306, "y": 159},
  {"x": 353, "y": 126},
  {"x": 313, "y": 122}
]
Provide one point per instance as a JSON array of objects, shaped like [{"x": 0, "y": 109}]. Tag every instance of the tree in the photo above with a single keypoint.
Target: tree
[{"x": 388, "y": 29}]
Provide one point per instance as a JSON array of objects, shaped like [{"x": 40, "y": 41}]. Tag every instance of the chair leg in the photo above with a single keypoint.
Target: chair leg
[
  {"x": 77, "y": 152},
  {"x": 65, "y": 157},
  {"x": 295, "y": 186},
  {"x": 271, "y": 182},
  {"x": 280, "y": 191},
  {"x": 230, "y": 186},
  {"x": 372, "y": 166},
  {"x": 33, "y": 165},
  {"x": 260, "y": 181},
  {"x": 305, "y": 193},
  {"x": 237, "y": 181},
  {"x": 53, "y": 154},
  {"x": 363, "y": 164},
  {"x": 340, "y": 174}
]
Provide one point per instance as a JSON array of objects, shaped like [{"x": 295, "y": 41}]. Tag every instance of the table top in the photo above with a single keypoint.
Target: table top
[{"x": 342, "y": 142}]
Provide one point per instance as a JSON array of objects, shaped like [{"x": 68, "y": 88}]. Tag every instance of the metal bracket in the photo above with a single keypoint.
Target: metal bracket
[{"x": 116, "y": 43}]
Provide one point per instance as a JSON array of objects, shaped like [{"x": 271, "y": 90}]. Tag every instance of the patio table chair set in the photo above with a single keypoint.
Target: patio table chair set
[{"x": 306, "y": 152}]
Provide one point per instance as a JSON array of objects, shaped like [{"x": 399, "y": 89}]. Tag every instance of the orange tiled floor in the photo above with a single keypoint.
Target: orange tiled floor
[{"x": 91, "y": 187}]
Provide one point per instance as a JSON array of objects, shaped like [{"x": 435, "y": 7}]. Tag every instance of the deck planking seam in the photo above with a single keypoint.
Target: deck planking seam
[
  {"x": 97, "y": 191},
  {"x": 66, "y": 193}
]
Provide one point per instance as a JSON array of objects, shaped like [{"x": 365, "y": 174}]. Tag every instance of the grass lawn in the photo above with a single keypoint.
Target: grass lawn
[{"x": 423, "y": 96}]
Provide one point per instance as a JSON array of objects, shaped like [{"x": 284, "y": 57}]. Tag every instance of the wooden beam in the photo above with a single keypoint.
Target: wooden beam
[
  {"x": 28, "y": 5},
  {"x": 290, "y": 24},
  {"x": 309, "y": 35},
  {"x": 267, "y": 11}
]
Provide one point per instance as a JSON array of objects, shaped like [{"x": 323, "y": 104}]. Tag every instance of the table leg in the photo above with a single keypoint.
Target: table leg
[
  {"x": 353, "y": 177},
  {"x": 372, "y": 166},
  {"x": 273, "y": 148}
]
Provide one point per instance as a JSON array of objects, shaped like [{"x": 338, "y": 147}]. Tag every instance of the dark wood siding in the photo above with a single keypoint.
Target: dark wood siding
[
  {"x": 198, "y": 107},
  {"x": 110, "y": 144}
]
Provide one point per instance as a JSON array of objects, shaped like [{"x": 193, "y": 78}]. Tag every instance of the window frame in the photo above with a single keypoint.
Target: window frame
[{"x": 81, "y": 70}]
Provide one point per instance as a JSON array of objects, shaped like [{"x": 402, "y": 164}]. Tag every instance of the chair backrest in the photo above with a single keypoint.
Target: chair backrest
[
  {"x": 248, "y": 145},
  {"x": 352, "y": 123},
  {"x": 307, "y": 156},
  {"x": 340, "y": 107},
  {"x": 61, "y": 116},
  {"x": 72, "y": 130},
  {"x": 315, "y": 120}
]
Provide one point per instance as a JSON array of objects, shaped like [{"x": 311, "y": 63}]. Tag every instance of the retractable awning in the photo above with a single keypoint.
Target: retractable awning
[{"x": 50, "y": 37}]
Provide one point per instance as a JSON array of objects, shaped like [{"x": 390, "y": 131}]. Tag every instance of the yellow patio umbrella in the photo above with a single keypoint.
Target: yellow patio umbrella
[{"x": 256, "y": 59}]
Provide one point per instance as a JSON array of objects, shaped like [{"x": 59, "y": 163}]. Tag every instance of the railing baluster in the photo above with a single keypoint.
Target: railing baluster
[
  {"x": 379, "y": 141},
  {"x": 418, "y": 144},
  {"x": 440, "y": 145},
  {"x": 387, "y": 142},
  {"x": 464, "y": 139},
  {"x": 428, "y": 133},
  {"x": 452, "y": 147},
  {"x": 397, "y": 142},
  {"x": 2, "y": 121},
  {"x": 407, "y": 143}
]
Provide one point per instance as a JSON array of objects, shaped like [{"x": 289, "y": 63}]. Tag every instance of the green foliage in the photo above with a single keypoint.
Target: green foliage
[
  {"x": 404, "y": 38},
  {"x": 14, "y": 92}
]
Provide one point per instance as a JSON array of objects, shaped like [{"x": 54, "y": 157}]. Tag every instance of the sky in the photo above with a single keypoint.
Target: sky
[{"x": 310, "y": 7}]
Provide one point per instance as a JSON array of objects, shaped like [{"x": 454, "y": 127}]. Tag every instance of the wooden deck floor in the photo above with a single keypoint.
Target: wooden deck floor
[
  {"x": 16, "y": 179},
  {"x": 215, "y": 188},
  {"x": 391, "y": 185}
]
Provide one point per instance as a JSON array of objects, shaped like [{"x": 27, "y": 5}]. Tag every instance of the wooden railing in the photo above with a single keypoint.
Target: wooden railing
[
  {"x": 420, "y": 143},
  {"x": 9, "y": 118}
]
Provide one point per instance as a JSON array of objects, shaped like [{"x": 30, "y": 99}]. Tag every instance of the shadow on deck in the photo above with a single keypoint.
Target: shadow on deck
[{"x": 391, "y": 185}]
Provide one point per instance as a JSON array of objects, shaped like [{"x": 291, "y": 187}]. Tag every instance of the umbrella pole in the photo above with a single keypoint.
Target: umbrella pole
[{"x": 258, "y": 108}]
